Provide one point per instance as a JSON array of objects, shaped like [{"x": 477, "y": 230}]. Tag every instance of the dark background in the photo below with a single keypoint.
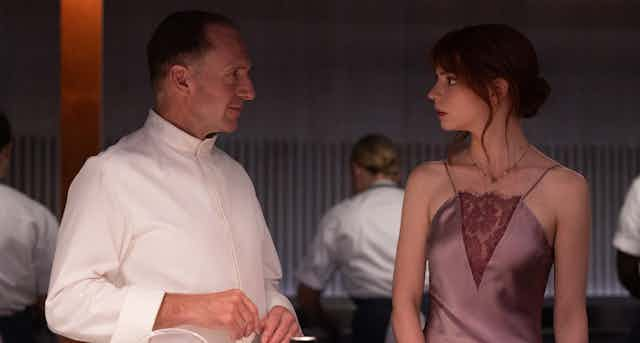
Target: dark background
[{"x": 327, "y": 72}]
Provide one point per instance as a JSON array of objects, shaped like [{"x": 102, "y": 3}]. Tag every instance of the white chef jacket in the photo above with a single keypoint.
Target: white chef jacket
[
  {"x": 160, "y": 211},
  {"x": 27, "y": 242},
  {"x": 627, "y": 237},
  {"x": 358, "y": 237}
]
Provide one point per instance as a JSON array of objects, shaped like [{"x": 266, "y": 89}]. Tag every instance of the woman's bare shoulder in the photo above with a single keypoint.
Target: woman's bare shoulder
[
  {"x": 428, "y": 168},
  {"x": 562, "y": 180},
  {"x": 567, "y": 182},
  {"x": 427, "y": 175},
  {"x": 558, "y": 171}
]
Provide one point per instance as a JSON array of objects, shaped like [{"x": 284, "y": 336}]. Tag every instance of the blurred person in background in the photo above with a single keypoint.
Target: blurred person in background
[
  {"x": 627, "y": 244},
  {"x": 27, "y": 242},
  {"x": 358, "y": 238}
]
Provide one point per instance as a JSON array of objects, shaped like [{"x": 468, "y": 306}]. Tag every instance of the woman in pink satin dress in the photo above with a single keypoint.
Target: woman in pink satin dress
[{"x": 496, "y": 214}]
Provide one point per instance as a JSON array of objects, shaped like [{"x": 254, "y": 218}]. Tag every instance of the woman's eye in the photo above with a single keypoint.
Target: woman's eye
[{"x": 451, "y": 80}]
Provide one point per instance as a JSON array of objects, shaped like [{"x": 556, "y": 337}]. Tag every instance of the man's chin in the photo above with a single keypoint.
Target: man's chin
[{"x": 230, "y": 126}]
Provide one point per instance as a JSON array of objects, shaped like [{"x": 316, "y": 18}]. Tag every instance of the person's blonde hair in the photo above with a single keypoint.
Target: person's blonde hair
[{"x": 377, "y": 154}]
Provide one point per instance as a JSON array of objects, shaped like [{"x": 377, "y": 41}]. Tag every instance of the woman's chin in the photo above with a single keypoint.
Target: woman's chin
[{"x": 448, "y": 128}]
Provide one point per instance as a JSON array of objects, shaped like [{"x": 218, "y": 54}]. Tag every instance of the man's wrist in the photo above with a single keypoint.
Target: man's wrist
[{"x": 174, "y": 311}]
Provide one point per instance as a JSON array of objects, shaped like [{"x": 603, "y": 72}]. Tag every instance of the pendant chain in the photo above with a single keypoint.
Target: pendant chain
[{"x": 506, "y": 171}]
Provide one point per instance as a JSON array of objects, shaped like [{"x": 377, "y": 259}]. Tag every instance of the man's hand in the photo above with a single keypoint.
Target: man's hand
[
  {"x": 229, "y": 310},
  {"x": 234, "y": 311},
  {"x": 279, "y": 326}
]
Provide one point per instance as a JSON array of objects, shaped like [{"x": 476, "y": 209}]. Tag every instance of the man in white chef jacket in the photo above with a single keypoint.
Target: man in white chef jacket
[
  {"x": 163, "y": 229},
  {"x": 358, "y": 237},
  {"x": 627, "y": 244},
  {"x": 27, "y": 241}
]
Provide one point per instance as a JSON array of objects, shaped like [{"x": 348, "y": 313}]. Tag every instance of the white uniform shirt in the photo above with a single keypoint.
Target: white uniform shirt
[
  {"x": 27, "y": 242},
  {"x": 359, "y": 237},
  {"x": 627, "y": 238},
  {"x": 160, "y": 211}
]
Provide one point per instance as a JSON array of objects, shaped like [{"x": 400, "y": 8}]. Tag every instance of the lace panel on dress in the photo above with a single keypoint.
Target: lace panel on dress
[{"x": 484, "y": 221}]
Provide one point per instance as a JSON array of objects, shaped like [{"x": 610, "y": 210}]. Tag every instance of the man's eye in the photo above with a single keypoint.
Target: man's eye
[{"x": 451, "y": 80}]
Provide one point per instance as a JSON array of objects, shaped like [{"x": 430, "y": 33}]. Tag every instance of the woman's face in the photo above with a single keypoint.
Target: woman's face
[{"x": 458, "y": 107}]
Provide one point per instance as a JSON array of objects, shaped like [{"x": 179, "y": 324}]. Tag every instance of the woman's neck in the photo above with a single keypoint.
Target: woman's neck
[{"x": 502, "y": 149}]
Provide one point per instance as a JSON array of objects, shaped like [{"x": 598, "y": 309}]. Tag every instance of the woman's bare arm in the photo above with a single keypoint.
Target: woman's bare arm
[
  {"x": 408, "y": 280},
  {"x": 571, "y": 256}
]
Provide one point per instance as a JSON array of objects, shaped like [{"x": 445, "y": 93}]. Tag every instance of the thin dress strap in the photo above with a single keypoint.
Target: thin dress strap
[
  {"x": 539, "y": 179},
  {"x": 453, "y": 185}
]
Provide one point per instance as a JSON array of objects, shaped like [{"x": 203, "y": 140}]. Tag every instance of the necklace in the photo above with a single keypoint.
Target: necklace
[{"x": 495, "y": 179}]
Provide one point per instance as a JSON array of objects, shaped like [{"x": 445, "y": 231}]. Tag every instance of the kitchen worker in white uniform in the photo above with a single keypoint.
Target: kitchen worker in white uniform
[
  {"x": 27, "y": 241},
  {"x": 358, "y": 238}
]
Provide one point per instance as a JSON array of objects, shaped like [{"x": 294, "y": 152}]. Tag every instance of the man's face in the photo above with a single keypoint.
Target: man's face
[{"x": 221, "y": 83}]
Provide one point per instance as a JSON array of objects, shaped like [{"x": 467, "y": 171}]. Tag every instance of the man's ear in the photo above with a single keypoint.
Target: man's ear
[
  {"x": 498, "y": 91},
  {"x": 178, "y": 78}
]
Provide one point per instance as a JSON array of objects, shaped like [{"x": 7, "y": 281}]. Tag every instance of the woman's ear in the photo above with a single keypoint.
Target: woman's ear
[{"x": 498, "y": 91}]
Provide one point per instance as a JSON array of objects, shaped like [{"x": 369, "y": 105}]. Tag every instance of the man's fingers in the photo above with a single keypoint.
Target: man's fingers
[
  {"x": 294, "y": 331},
  {"x": 270, "y": 324},
  {"x": 235, "y": 331},
  {"x": 244, "y": 320},
  {"x": 251, "y": 320},
  {"x": 281, "y": 330},
  {"x": 238, "y": 325},
  {"x": 252, "y": 309},
  {"x": 290, "y": 326},
  {"x": 245, "y": 311}
]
